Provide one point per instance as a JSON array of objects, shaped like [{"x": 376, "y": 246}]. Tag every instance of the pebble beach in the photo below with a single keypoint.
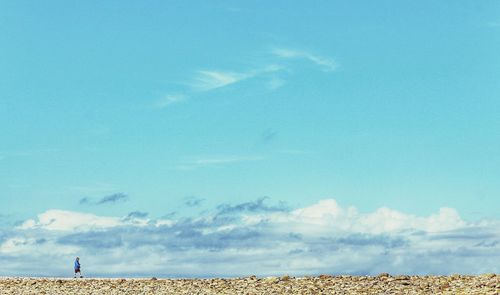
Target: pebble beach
[{"x": 324, "y": 284}]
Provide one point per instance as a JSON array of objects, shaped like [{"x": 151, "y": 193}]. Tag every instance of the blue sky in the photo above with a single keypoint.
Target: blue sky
[{"x": 176, "y": 110}]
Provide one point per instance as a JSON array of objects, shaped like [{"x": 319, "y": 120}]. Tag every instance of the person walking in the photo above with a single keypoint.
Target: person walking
[{"x": 77, "y": 267}]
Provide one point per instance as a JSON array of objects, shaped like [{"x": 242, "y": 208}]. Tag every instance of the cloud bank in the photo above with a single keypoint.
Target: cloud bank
[{"x": 252, "y": 238}]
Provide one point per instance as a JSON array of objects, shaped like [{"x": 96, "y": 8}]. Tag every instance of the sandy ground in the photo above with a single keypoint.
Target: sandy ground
[{"x": 381, "y": 284}]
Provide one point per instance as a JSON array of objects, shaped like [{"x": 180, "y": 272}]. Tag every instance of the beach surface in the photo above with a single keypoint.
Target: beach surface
[{"x": 324, "y": 284}]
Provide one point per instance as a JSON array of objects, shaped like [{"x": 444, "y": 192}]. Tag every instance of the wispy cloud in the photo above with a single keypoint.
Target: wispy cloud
[
  {"x": 113, "y": 198},
  {"x": 137, "y": 214},
  {"x": 326, "y": 63},
  {"x": 193, "y": 201},
  {"x": 169, "y": 99},
  {"x": 211, "y": 79},
  {"x": 27, "y": 153},
  {"x": 109, "y": 199},
  {"x": 258, "y": 205},
  {"x": 200, "y": 162},
  {"x": 254, "y": 237},
  {"x": 276, "y": 83},
  {"x": 208, "y": 80},
  {"x": 268, "y": 135}
]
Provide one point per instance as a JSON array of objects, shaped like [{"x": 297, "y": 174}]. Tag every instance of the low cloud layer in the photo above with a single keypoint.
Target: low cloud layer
[{"x": 252, "y": 238}]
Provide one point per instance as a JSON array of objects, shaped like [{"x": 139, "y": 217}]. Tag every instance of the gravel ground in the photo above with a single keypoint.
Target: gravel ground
[{"x": 324, "y": 284}]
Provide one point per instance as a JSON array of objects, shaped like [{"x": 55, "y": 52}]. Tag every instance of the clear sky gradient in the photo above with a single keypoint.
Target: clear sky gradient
[{"x": 177, "y": 107}]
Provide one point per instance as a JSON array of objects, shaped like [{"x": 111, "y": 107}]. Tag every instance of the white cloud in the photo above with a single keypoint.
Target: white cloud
[
  {"x": 383, "y": 220},
  {"x": 169, "y": 99},
  {"x": 276, "y": 83},
  {"x": 212, "y": 79},
  {"x": 70, "y": 221},
  {"x": 254, "y": 238},
  {"x": 327, "y": 63},
  {"x": 200, "y": 162},
  {"x": 327, "y": 217},
  {"x": 208, "y": 80}
]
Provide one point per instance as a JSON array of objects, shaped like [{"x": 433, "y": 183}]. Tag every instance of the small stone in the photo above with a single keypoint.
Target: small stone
[
  {"x": 383, "y": 275},
  {"x": 271, "y": 280},
  {"x": 154, "y": 279}
]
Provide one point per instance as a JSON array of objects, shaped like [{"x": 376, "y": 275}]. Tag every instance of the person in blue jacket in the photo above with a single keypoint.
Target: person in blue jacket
[{"x": 77, "y": 267}]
